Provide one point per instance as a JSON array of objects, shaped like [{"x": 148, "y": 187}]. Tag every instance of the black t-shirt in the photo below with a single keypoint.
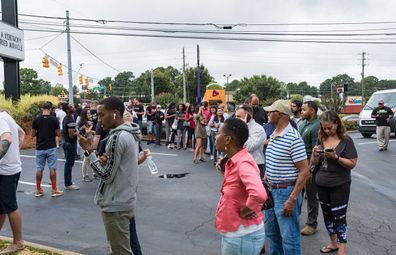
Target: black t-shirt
[
  {"x": 158, "y": 117},
  {"x": 45, "y": 125},
  {"x": 171, "y": 111},
  {"x": 383, "y": 114},
  {"x": 139, "y": 109},
  {"x": 259, "y": 115},
  {"x": 334, "y": 174},
  {"x": 68, "y": 123},
  {"x": 149, "y": 110},
  {"x": 94, "y": 117}
]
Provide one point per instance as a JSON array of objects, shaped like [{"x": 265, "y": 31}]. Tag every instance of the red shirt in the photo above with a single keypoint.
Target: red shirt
[
  {"x": 241, "y": 187},
  {"x": 206, "y": 113},
  {"x": 192, "y": 123}
]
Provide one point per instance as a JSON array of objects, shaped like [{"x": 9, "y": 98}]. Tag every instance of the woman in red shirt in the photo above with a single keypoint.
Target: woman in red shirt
[{"x": 238, "y": 217}]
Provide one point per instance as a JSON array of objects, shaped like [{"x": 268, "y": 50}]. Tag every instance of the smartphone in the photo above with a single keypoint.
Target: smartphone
[
  {"x": 83, "y": 132},
  {"x": 329, "y": 150}
]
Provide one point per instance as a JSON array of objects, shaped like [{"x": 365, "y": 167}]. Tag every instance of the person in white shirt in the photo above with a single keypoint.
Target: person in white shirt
[
  {"x": 60, "y": 115},
  {"x": 11, "y": 137}
]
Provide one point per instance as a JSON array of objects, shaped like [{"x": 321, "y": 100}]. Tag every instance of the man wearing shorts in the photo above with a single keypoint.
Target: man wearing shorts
[
  {"x": 11, "y": 136},
  {"x": 46, "y": 129}
]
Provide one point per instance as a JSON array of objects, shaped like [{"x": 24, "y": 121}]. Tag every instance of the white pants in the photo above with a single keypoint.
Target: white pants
[{"x": 383, "y": 134}]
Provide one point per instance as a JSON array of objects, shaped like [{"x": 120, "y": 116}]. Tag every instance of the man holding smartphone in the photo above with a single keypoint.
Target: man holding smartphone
[{"x": 382, "y": 115}]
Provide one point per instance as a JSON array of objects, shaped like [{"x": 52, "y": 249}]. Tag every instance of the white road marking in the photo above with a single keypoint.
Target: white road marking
[
  {"x": 164, "y": 154},
  {"x": 373, "y": 142},
  {"x": 59, "y": 159},
  {"x": 34, "y": 184}
]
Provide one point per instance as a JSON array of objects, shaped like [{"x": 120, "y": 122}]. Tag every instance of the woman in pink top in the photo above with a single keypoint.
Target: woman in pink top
[{"x": 238, "y": 217}]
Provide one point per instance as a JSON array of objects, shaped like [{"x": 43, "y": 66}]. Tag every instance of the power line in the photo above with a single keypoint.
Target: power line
[
  {"x": 101, "y": 60},
  {"x": 220, "y": 38},
  {"x": 45, "y": 44},
  {"x": 103, "y": 21},
  {"x": 167, "y": 30}
]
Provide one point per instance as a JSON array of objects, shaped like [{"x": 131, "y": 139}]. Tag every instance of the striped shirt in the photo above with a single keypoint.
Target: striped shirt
[{"x": 282, "y": 153}]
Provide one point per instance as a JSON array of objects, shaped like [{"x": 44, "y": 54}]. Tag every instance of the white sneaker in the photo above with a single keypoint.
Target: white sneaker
[
  {"x": 72, "y": 187},
  {"x": 211, "y": 157}
]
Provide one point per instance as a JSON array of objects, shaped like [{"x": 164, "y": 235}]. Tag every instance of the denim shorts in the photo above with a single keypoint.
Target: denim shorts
[
  {"x": 50, "y": 156},
  {"x": 149, "y": 127},
  {"x": 8, "y": 187},
  {"x": 250, "y": 244}
]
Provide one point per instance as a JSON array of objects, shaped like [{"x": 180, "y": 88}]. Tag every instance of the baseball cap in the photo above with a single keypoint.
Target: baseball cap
[
  {"x": 158, "y": 106},
  {"x": 282, "y": 106}
]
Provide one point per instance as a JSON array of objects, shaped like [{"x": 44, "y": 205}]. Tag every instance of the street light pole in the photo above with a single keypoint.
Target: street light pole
[{"x": 227, "y": 76}]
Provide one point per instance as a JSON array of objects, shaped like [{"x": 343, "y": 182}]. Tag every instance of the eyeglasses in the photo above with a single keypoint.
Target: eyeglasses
[{"x": 380, "y": 103}]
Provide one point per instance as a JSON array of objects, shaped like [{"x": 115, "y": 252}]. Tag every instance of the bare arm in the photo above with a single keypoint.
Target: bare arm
[
  {"x": 21, "y": 136},
  {"x": 303, "y": 175}
]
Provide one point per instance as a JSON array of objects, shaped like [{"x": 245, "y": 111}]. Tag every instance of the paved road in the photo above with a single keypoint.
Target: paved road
[{"x": 175, "y": 216}]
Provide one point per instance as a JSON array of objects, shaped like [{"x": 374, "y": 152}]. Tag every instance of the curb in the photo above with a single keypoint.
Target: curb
[{"x": 42, "y": 247}]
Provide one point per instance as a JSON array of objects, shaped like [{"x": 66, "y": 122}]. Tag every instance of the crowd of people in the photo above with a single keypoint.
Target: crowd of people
[{"x": 286, "y": 145}]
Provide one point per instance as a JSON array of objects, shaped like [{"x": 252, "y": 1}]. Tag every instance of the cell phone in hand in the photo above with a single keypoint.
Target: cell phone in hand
[
  {"x": 222, "y": 163},
  {"x": 82, "y": 131},
  {"x": 329, "y": 150}
]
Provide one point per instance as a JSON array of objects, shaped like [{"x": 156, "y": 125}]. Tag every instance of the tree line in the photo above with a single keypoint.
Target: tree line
[{"x": 169, "y": 81}]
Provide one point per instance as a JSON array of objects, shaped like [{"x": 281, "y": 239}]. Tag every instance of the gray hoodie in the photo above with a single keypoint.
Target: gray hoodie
[
  {"x": 119, "y": 177},
  {"x": 255, "y": 142}
]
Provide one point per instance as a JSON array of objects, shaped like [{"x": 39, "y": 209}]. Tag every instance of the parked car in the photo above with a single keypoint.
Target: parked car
[{"x": 352, "y": 117}]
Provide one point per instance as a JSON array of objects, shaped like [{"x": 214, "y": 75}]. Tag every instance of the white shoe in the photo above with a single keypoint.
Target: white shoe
[
  {"x": 72, "y": 187},
  {"x": 211, "y": 157}
]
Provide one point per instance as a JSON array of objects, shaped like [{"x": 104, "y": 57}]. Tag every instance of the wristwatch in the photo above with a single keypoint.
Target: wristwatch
[{"x": 87, "y": 153}]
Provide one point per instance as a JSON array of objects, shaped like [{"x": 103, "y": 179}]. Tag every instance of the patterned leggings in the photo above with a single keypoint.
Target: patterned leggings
[{"x": 334, "y": 203}]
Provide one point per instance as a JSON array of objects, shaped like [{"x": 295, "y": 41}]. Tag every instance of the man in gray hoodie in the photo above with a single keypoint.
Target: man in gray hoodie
[{"x": 118, "y": 172}]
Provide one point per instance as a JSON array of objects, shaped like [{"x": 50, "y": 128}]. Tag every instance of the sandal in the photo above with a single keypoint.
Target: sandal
[
  {"x": 12, "y": 248},
  {"x": 328, "y": 249}
]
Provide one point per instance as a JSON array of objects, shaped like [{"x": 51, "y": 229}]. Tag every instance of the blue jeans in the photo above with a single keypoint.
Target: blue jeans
[
  {"x": 48, "y": 156},
  {"x": 134, "y": 240},
  {"x": 70, "y": 150},
  {"x": 283, "y": 232},
  {"x": 250, "y": 244},
  {"x": 212, "y": 140},
  {"x": 157, "y": 133}
]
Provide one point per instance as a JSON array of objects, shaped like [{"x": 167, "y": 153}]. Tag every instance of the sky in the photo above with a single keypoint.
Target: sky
[{"x": 286, "y": 61}]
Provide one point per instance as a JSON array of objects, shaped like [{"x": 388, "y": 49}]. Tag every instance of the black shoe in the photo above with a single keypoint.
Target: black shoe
[
  {"x": 148, "y": 142},
  {"x": 381, "y": 149},
  {"x": 385, "y": 149}
]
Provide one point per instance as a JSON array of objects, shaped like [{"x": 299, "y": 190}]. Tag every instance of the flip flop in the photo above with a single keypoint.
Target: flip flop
[{"x": 328, "y": 249}]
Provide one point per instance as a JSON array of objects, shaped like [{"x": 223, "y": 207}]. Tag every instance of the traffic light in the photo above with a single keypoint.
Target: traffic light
[
  {"x": 345, "y": 87},
  {"x": 81, "y": 79},
  {"x": 45, "y": 62},
  {"x": 86, "y": 81},
  {"x": 110, "y": 87},
  {"x": 62, "y": 94},
  {"x": 60, "y": 72}
]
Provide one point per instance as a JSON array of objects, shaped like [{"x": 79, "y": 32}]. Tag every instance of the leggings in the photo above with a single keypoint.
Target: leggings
[{"x": 334, "y": 203}]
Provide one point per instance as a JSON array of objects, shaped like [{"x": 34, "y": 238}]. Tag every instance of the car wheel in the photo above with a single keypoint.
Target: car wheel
[{"x": 366, "y": 135}]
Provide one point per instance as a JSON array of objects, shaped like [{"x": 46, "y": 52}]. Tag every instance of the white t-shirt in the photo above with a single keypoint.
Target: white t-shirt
[
  {"x": 60, "y": 115},
  {"x": 11, "y": 163}
]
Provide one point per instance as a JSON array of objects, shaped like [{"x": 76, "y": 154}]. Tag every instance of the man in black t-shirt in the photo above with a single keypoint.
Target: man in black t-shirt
[
  {"x": 69, "y": 144},
  {"x": 138, "y": 108},
  {"x": 45, "y": 128},
  {"x": 382, "y": 115},
  {"x": 259, "y": 115}
]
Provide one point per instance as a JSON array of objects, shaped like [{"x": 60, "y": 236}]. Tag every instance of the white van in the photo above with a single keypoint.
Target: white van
[{"x": 367, "y": 124}]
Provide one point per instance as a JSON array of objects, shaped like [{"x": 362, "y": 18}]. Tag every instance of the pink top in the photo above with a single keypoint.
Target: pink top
[
  {"x": 241, "y": 187},
  {"x": 206, "y": 113}
]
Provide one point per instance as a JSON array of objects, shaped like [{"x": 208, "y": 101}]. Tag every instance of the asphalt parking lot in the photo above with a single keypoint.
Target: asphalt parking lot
[{"x": 176, "y": 216}]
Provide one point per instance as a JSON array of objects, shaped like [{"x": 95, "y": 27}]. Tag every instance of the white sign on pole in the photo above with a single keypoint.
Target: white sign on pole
[{"x": 11, "y": 42}]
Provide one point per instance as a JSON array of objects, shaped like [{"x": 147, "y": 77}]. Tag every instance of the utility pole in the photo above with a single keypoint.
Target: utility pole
[
  {"x": 199, "y": 78},
  {"x": 69, "y": 62},
  {"x": 152, "y": 85},
  {"x": 184, "y": 79},
  {"x": 362, "y": 82}
]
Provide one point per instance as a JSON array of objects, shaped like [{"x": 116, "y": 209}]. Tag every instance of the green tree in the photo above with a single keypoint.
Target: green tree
[
  {"x": 122, "y": 84},
  {"x": 57, "y": 89},
  {"x": 302, "y": 89},
  {"x": 105, "y": 82},
  {"x": 233, "y": 86},
  {"x": 329, "y": 85},
  {"x": 192, "y": 82},
  {"x": 30, "y": 84},
  {"x": 164, "y": 99},
  {"x": 265, "y": 87}
]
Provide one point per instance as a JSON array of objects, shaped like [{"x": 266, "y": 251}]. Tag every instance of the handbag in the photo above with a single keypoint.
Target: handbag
[
  {"x": 186, "y": 123},
  {"x": 269, "y": 203},
  {"x": 175, "y": 123}
]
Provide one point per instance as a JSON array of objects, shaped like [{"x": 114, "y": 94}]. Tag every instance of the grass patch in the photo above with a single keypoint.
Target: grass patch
[{"x": 28, "y": 250}]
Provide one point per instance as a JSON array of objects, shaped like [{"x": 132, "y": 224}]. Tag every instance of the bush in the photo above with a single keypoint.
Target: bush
[
  {"x": 165, "y": 98},
  {"x": 350, "y": 125},
  {"x": 26, "y": 108}
]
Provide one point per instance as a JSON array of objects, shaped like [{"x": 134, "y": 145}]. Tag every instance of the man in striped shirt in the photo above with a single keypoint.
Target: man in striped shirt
[{"x": 286, "y": 172}]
